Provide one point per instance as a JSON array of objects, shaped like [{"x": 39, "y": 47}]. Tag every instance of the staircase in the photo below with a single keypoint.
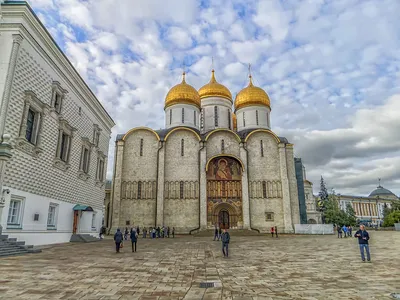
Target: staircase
[
  {"x": 10, "y": 246},
  {"x": 83, "y": 238},
  {"x": 232, "y": 232}
]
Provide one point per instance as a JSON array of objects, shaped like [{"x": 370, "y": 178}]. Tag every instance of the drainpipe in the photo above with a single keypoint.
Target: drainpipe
[
  {"x": 190, "y": 232},
  {"x": 248, "y": 185}
]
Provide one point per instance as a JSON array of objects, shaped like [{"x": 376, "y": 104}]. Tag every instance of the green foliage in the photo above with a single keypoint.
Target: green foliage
[
  {"x": 323, "y": 193},
  {"x": 334, "y": 215},
  {"x": 391, "y": 218},
  {"x": 351, "y": 215}
]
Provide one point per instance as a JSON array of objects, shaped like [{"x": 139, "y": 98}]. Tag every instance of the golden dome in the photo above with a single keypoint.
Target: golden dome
[
  {"x": 214, "y": 89},
  {"x": 251, "y": 95},
  {"x": 234, "y": 121},
  {"x": 182, "y": 93}
]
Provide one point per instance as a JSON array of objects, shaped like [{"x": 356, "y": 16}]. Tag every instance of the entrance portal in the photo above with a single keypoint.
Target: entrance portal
[{"x": 224, "y": 193}]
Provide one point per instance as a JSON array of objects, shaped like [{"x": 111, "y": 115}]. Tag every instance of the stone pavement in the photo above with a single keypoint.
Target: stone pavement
[{"x": 291, "y": 267}]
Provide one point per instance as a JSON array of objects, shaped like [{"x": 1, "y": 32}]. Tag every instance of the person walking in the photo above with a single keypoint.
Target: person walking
[
  {"x": 339, "y": 231},
  {"x": 225, "y": 238},
  {"x": 144, "y": 232},
  {"x": 344, "y": 228},
  {"x": 276, "y": 232},
  {"x": 219, "y": 233},
  {"x": 173, "y": 232},
  {"x": 168, "y": 231},
  {"x": 134, "y": 238},
  {"x": 118, "y": 238},
  {"x": 216, "y": 233},
  {"x": 272, "y": 230},
  {"x": 126, "y": 233},
  {"x": 138, "y": 230},
  {"x": 350, "y": 229},
  {"x": 363, "y": 238}
]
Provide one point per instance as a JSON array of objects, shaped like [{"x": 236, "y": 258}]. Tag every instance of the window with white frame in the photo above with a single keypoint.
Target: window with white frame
[
  {"x": 15, "y": 211},
  {"x": 52, "y": 216},
  {"x": 85, "y": 158},
  {"x": 31, "y": 124},
  {"x": 57, "y": 97},
  {"x": 94, "y": 220},
  {"x": 100, "y": 167},
  {"x": 65, "y": 134}
]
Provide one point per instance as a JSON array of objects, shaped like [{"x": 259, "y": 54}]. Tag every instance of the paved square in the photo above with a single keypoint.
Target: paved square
[{"x": 291, "y": 267}]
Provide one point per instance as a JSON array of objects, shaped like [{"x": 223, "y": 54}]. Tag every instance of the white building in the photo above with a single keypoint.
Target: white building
[{"x": 54, "y": 136}]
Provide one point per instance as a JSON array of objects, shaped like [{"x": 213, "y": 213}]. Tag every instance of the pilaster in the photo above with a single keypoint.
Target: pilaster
[
  {"x": 203, "y": 187},
  {"x": 17, "y": 40},
  {"x": 293, "y": 192},
  {"x": 245, "y": 188},
  {"x": 287, "y": 213},
  {"x": 117, "y": 182},
  {"x": 5, "y": 155},
  {"x": 160, "y": 185}
]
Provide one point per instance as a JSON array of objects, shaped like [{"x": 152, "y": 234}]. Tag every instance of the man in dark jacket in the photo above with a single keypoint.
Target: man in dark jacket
[
  {"x": 225, "y": 238},
  {"x": 118, "y": 238},
  {"x": 134, "y": 237},
  {"x": 363, "y": 238}
]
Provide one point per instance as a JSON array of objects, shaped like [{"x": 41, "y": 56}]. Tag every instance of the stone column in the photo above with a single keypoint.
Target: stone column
[
  {"x": 116, "y": 191},
  {"x": 245, "y": 188},
  {"x": 17, "y": 40},
  {"x": 160, "y": 186},
  {"x": 287, "y": 214},
  {"x": 203, "y": 187},
  {"x": 294, "y": 195},
  {"x": 5, "y": 155}
]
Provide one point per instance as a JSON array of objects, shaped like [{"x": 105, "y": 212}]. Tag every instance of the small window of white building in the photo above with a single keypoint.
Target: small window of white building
[
  {"x": 15, "y": 212},
  {"x": 57, "y": 97},
  {"x": 52, "y": 216},
  {"x": 94, "y": 220}
]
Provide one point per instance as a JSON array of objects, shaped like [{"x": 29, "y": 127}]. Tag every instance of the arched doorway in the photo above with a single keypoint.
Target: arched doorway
[
  {"x": 311, "y": 221},
  {"x": 224, "y": 193}
]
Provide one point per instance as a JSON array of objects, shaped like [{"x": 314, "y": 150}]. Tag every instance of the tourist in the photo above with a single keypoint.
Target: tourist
[
  {"x": 118, "y": 240},
  {"x": 126, "y": 233},
  {"x": 168, "y": 231},
  {"x": 272, "y": 230},
  {"x": 158, "y": 231},
  {"x": 173, "y": 232},
  {"x": 344, "y": 230},
  {"x": 349, "y": 230},
  {"x": 216, "y": 236},
  {"x": 153, "y": 233},
  {"x": 134, "y": 236},
  {"x": 276, "y": 232},
  {"x": 144, "y": 232},
  {"x": 138, "y": 230},
  {"x": 363, "y": 238},
  {"x": 219, "y": 233},
  {"x": 225, "y": 238},
  {"x": 339, "y": 231},
  {"x": 163, "y": 231}
]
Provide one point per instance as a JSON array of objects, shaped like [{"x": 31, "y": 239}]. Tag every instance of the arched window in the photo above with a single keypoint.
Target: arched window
[
  {"x": 170, "y": 116},
  {"x": 182, "y": 147},
  {"x": 194, "y": 118},
  {"x": 244, "y": 120},
  {"x": 222, "y": 145},
  {"x": 264, "y": 186},
  {"x": 262, "y": 148},
  {"x": 141, "y": 147},
  {"x": 183, "y": 115},
  {"x": 229, "y": 119},
  {"x": 181, "y": 186},
  {"x": 139, "y": 190},
  {"x": 216, "y": 116},
  {"x": 257, "y": 117}
]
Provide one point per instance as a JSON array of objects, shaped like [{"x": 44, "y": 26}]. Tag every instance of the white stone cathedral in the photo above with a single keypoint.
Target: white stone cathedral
[{"x": 216, "y": 163}]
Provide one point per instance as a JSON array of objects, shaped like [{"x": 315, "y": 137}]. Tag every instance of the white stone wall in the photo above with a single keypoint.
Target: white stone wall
[
  {"x": 191, "y": 116},
  {"x": 224, "y": 108},
  {"x": 247, "y": 117},
  {"x": 214, "y": 144},
  {"x": 183, "y": 214}
]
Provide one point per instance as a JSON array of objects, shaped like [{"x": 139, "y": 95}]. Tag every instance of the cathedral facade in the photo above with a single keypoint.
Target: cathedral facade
[{"x": 216, "y": 163}]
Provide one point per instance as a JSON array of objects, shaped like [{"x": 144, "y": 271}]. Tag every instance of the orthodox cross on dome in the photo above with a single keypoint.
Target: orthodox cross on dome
[
  {"x": 183, "y": 72},
  {"x": 212, "y": 63},
  {"x": 379, "y": 180},
  {"x": 250, "y": 77}
]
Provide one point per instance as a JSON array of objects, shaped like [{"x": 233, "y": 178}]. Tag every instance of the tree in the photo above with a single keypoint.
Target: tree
[
  {"x": 351, "y": 215},
  {"x": 334, "y": 215},
  {"x": 323, "y": 193},
  {"x": 391, "y": 215}
]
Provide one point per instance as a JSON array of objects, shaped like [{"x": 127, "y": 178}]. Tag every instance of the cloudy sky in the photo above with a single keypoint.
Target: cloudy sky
[{"x": 330, "y": 67}]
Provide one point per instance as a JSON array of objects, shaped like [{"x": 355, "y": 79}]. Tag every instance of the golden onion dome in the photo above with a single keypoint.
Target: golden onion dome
[
  {"x": 234, "y": 121},
  {"x": 252, "y": 95},
  {"x": 182, "y": 93},
  {"x": 214, "y": 89}
]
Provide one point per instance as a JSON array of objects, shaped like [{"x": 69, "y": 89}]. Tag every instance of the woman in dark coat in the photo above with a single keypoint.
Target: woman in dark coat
[
  {"x": 118, "y": 238},
  {"x": 134, "y": 237}
]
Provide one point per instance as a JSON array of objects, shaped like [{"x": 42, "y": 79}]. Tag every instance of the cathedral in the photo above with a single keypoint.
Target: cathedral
[{"x": 216, "y": 163}]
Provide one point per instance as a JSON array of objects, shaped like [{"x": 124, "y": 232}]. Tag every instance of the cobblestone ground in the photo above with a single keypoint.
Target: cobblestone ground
[{"x": 291, "y": 267}]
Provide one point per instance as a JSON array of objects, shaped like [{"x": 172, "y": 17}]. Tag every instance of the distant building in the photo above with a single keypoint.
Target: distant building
[
  {"x": 54, "y": 136},
  {"x": 300, "y": 177}
]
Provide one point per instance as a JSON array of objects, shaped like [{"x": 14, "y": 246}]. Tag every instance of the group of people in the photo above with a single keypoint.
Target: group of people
[
  {"x": 344, "y": 231},
  {"x": 274, "y": 230}
]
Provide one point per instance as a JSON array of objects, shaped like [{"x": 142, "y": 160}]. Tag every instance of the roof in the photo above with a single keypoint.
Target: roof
[
  {"x": 381, "y": 191},
  {"x": 82, "y": 207}
]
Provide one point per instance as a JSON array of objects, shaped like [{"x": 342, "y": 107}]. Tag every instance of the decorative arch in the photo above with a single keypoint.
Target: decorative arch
[
  {"x": 225, "y": 206},
  {"x": 140, "y": 128},
  {"x": 182, "y": 128},
  {"x": 225, "y": 155},
  {"x": 266, "y": 131},
  {"x": 223, "y": 129}
]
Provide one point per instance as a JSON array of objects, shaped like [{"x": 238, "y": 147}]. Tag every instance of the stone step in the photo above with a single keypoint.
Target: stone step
[
  {"x": 3, "y": 237},
  {"x": 12, "y": 253},
  {"x": 12, "y": 239},
  {"x": 232, "y": 232}
]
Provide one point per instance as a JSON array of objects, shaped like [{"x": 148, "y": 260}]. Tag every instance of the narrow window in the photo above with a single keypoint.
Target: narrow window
[
  {"x": 216, "y": 115},
  {"x": 229, "y": 119},
  {"x": 64, "y": 147},
  {"x": 139, "y": 190},
  {"x": 30, "y": 122},
  {"x": 222, "y": 145},
  {"x": 57, "y": 103},
  {"x": 181, "y": 190},
  {"x": 264, "y": 184},
  {"x": 182, "y": 147},
  {"x": 244, "y": 120},
  {"x": 85, "y": 165},
  {"x": 93, "y": 220},
  {"x": 202, "y": 119},
  {"x": 262, "y": 148},
  {"x": 141, "y": 147},
  {"x": 257, "y": 117},
  {"x": 170, "y": 116},
  {"x": 14, "y": 212},
  {"x": 183, "y": 115},
  {"x": 194, "y": 118},
  {"x": 51, "y": 216}
]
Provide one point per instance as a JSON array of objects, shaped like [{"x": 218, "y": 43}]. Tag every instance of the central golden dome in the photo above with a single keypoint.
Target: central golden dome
[
  {"x": 214, "y": 89},
  {"x": 252, "y": 95},
  {"x": 182, "y": 93}
]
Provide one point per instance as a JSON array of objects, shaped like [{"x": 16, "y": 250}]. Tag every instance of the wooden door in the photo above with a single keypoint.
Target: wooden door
[{"x": 75, "y": 225}]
